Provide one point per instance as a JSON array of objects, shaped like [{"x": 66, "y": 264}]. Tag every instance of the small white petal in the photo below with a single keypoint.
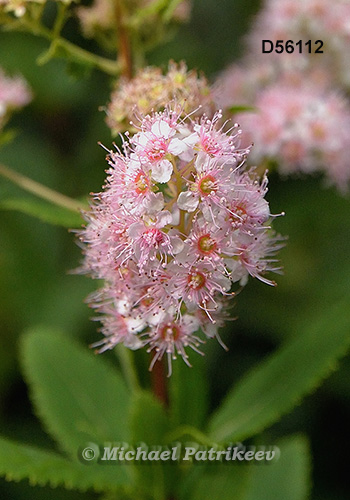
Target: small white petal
[
  {"x": 135, "y": 324},
  {"x": 176, "y": 146},
  {"x": 210, "y": 329},
  {"x": 201, "y": 163},
  {"x": 191, "y": 140},
  {"x": 154, "y": 203},
  {"x": 162, "y": 129},
  {"x": 141, "y": 139},
  {"x": 122, "y": 306},
  {"x": 136, "y": 229},
  {"x": 164, "y": 218},
  {"x": 177, "y": 244},
  {"x": 224, "y": 282},
  {"x": 176, "y": 216},
  {"x": 187, "y": 201},
  {"x": 162, "y": 171},
  {"x": 191, "y": 323}
]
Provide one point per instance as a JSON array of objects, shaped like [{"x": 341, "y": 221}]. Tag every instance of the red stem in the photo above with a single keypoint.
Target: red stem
[
  {"x": 124, "y": 49},
  {"x": 159, "y": 382}
]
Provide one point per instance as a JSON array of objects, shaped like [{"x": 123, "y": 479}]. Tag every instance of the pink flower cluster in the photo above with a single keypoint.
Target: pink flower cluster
[
  {"x": 180, "y": 220},
  {"x": 325, "y": 20},
  {"x": 150, "y": 90},
  {"x": 303, "y": 128},
  {"x": 300, "y": 117},
  {"x": 14, "y": 93}
]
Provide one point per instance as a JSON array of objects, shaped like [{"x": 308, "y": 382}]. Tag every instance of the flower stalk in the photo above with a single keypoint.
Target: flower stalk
[
  {"x": 124, "y": 45},
  {"x": 41, "y": 191}
]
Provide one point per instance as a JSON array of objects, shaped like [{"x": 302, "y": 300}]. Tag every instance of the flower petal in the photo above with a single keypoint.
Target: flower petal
[
  {"x": 162, "y": 171},
  {"x": 187, "y": 201}
]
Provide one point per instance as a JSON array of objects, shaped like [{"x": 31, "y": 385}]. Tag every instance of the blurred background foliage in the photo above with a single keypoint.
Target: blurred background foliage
[{"x": 56, "y": 144}]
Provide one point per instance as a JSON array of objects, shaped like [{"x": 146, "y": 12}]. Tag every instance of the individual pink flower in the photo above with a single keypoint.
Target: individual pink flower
[
  {"x": 150, "y": 242},
  {"x": 212, "y": 142},
  {"x": 156, "y": 143},
  {"x": 211, "y": 182},
  {"x": 172, "y": 337}
]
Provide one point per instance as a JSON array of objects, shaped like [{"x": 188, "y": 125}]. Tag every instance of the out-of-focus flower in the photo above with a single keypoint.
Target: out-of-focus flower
[
  {"x": 303, "y": 128},
  {"x": 180, "y": 221},
  {"x": 324, "y": 20},
  {"x": 19, "y": 7},
  {"x": 300, "y": 116},
  {"x": 182, "y": 11},
  {"x": 240, "y": 82},
  {"x": 100, "y": 20},
  {"x": 14, "y": 94},
  {"x": 99, "y": 16},
  {"x": 150, "y": 90}
]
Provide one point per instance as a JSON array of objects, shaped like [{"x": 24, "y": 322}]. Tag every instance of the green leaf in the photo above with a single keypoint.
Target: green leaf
[
  {"x": 148, "y": 425},
  {"x": 148, "y": 419},
  {"x": 41, "y": 467},
  {"x": 220, "y": 481},
  {"x": 278, "y": 384},
  {"x": 78, "y": 396},
  {"x": 188, "y": 392},
  {"x": 287, "y": 478},
  {"x": 46, "y": 212}
]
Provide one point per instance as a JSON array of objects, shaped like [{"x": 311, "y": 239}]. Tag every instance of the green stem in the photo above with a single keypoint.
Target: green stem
[
  {"x": 59, "y": 23},
  {"x": 179, "y": 185},
  {"x": 41, "y": 191},
  {"x": 128, "y": 367},
  {"x": 60, "y": 19},
  {"x": 108, "y": 66}
]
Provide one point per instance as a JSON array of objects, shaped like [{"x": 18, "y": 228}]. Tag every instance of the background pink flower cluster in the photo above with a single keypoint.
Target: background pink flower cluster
[{"x": 300, "y": 119}]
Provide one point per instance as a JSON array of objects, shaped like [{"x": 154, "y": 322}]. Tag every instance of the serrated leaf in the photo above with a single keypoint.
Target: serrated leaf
[
  {"x": 148, "y": 425},
  {"x": 188, "y": 393},
  {"x": 148, "y": 419},
  {"x": 46, "y": 212},
  {"x": 41, "y": 467},
  {"x": 78, "y": 396},
  {"x": 219, "y": 481},
  {"x": 278, "y": 384},
  {"x": 287, "y": 478}
]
